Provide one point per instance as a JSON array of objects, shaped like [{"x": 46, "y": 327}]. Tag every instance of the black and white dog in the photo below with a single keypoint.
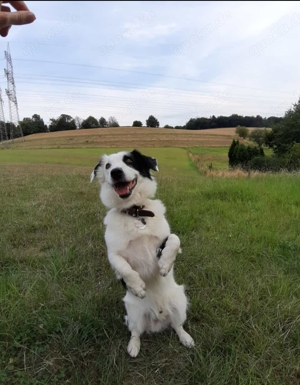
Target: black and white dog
[{"x": 141, "y": 248}]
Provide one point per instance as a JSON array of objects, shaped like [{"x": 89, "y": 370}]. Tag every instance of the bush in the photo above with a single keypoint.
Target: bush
[
  {"x": 239, "y": 155},
  {"x": 167, "y": 126},
  {"x": 257, "y": 136},
  {"x": 242, "y": 132},
  {"x": 137, "y": 123},
  {"x": 266, "y": 163}
]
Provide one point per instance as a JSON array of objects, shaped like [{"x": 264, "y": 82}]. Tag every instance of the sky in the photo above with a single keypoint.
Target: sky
[{"x": 174, "y": 60}]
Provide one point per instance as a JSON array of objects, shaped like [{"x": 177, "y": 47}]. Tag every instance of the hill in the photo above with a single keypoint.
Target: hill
[{"x": 124, "y": 137}]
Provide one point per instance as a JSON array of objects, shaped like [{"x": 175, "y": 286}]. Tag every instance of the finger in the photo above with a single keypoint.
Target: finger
[
  {"x": 16, "y": 18},
  {"x": 18, "y": 5},
  {"x": 4, "y": 31}
]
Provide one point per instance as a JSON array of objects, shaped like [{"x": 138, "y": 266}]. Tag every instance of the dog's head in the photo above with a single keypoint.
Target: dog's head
[{"x": 125, "y": 178}]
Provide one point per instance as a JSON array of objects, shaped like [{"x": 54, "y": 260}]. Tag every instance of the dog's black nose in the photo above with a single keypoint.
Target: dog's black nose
[{"x": 117, "y": 173}]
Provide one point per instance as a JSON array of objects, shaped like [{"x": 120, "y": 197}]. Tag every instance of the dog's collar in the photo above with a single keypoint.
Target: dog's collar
[{"x": 137, "y": 211}]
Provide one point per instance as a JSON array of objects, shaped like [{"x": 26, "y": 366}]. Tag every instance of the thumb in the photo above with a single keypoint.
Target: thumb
[{"x": 17, "y": 18}]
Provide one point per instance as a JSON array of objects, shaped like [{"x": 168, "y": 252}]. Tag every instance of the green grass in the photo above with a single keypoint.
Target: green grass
[
  {"x": 217, "y": 156},
  {"x": 173, "y": 159},
  {"x": 61, "y": 313}
]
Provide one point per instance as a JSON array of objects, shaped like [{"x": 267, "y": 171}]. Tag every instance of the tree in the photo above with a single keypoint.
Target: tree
[
  {"x": 33, "y": 125},
  {"x": 112, "y": 122},
  {"x": 90, "y": 122},
  {"x": 242, "y": 155},
  {"x": 102, "y": 122},
  {"x": 167, "y": 126},
  {"x": 137, "y": 123},
  {"x": 62, "y": 123},
  {"x": 287, "y": 132},
  {"x": 3, "y": 133},
  {"x": 232, "y": 153},
  {"x": 242, "y": 131},
  {"x": 269, "y": 138},
  {"x": 27, "y": 126},
  {"x": 257, "y": 136},
  {"x": 152, "y": 122},
  {"x": 78, "y": 122}
]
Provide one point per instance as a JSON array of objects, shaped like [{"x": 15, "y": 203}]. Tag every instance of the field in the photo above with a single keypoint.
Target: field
[
  {"x": 128, "y": 137},
  {"x": 61, "y": 311}
]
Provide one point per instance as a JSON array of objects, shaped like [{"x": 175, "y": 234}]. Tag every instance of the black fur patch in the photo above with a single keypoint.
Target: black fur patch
[
  {"x": 99, "y": 164},
  {"x": 142, "y": 163}
]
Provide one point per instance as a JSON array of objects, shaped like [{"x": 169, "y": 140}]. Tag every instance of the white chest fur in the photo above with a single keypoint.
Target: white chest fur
[{"x": 137, "y": 240}]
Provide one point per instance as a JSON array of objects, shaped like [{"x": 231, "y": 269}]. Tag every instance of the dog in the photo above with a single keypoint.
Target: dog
[{"x": 140, "y": 246}]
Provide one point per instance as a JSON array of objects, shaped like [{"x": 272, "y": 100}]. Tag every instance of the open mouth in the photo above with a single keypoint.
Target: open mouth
[{"x": 124, "y": 189}]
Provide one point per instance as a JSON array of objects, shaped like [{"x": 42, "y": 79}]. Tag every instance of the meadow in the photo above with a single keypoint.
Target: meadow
[{"x": 61, "y": 311}]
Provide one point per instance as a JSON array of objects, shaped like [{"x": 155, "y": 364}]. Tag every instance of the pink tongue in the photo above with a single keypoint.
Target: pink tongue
[{"x": 122, "y": 190}]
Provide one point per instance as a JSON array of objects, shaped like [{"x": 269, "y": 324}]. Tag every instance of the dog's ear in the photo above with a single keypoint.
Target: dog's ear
[
  {"x": 144, "y": 163},
  {"x": 94, "y": 172},
  {"x": 152, "y": 162}
]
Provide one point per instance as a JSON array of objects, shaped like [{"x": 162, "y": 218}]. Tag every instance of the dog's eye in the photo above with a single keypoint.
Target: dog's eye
[
  {"x": 128, "y": 161},
  {"x": 107, "y": 166}
]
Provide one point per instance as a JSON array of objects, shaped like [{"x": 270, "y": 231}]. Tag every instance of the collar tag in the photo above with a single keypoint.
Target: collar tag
[{"x": 140, "y": 223}]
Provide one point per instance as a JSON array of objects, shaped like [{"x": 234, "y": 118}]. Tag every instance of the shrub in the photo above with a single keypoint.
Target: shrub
[
  {"x": 266, "y": 163},
  {"x": 239, "y": 155},
  {"x": 242, "y": 132},
  {"x": 257, "y": 136}
]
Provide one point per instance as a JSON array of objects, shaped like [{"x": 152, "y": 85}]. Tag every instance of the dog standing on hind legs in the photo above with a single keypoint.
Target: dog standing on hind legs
[{"x": 141, "y": 248}]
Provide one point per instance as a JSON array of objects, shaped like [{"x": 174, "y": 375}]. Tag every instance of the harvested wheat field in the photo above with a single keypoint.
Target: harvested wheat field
[{"x": 123, "y": 137}]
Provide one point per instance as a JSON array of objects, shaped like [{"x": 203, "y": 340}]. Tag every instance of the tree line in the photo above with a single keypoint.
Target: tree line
[{"x": 64, "y": 122}]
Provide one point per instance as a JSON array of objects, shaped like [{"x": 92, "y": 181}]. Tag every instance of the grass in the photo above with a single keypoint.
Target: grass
[
  {"x": 217, "y": 157},
  {"x": 174, "y": 160},
  {"x": 61, "y": 314}
]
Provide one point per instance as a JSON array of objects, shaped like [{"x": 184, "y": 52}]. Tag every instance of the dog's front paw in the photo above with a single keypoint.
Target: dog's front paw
[
  {"x": 137, "y": 286},
  {"x": 134, "y": 346},
  {"x": 164, "y": 267},
  {"x": 187, "y": 340}
]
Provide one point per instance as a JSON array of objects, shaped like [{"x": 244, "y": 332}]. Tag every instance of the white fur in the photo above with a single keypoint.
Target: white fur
[{"x": 153, "y": 300}]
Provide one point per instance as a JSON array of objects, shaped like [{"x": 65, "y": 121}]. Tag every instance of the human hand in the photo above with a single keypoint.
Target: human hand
[{"x": 8, "y": 18}]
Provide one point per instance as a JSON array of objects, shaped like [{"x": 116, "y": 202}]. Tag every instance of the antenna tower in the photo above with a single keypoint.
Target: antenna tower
[
  {"x": 3, "y": 132},
  {"x": 15, "y": 127}
]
